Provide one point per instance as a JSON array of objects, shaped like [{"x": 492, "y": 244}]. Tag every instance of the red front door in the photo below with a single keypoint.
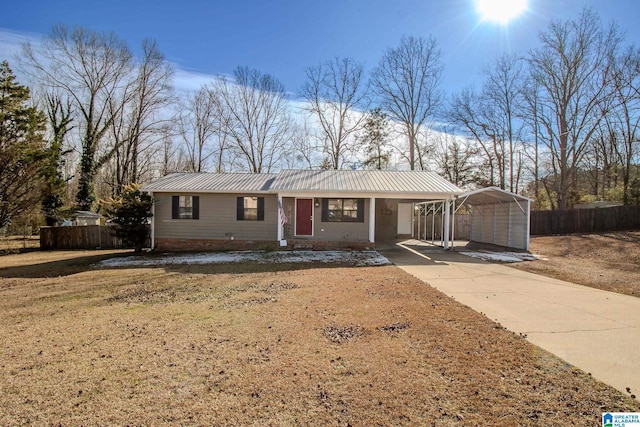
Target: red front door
[{"x": 304, "y": 217}]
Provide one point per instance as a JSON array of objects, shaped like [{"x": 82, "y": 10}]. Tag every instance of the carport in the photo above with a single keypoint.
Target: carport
[{"x": 498, "y": 217}]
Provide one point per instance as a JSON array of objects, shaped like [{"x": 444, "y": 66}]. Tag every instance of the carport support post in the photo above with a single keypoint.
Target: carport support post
[
  {"x": 153, "y": 221},
  {"x": 528, "y": 232},
  {"x": 453, "y": 223},
  {"x": 279, "y": 220},
  {"x": 447, "y": 222},
  {"x": 372, "y": 220}
]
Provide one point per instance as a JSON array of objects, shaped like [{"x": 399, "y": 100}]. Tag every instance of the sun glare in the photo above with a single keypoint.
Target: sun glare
[{"x": 501, "y": 11}]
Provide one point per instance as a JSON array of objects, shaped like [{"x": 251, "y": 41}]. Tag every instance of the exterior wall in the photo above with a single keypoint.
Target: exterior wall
[
  {"x": 341, "y": 231},
  {"x": 386, "y": 219},
  {"x": 518, "y": 225},
  {"x": 217, "y": 221},
  {"x": 499, "y": 224},
  {"x": 326, "y": 231}
]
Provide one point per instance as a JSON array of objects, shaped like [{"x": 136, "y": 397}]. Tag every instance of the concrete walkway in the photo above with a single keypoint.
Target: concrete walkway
[{"x": 596, "y": 331}]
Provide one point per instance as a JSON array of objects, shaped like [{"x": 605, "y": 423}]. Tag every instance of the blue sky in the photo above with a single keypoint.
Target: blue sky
[{"x": 283, "y": 37}]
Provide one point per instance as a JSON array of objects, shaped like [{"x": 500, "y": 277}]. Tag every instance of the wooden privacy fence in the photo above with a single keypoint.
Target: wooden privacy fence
[
  {"x": 546, "y": 223},
  {"x": 80, "y": 237}
]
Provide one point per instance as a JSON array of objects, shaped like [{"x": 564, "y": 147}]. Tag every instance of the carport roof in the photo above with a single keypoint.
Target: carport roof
[{"x": 490, "y": 195}]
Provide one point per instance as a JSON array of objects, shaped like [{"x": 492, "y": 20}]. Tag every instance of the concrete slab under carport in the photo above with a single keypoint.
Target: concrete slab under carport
[{"x": 594, "y": 330}]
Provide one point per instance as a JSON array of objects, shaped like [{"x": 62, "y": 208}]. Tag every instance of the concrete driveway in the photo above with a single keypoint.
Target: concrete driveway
[{"x": 596, "y": 331}]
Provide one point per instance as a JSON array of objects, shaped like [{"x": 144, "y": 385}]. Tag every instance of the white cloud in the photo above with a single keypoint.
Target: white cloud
[
  {"x": 11, "y": 42},
  {"x": 11, "y": 45}
]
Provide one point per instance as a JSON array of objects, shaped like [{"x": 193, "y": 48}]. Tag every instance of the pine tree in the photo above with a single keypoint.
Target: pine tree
[
  {"x": 22, "y": 152},
  {"x": 376, "y": 132},
  {"x": 130, "y": 213}
]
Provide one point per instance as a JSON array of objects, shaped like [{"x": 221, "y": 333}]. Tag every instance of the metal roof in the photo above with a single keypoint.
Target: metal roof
[
  {"x": 490, "y": 195},
  {"x": 212, "y": 183},
  {"x": 363, "y": 181},
  {"x": 418, "y": 183}
]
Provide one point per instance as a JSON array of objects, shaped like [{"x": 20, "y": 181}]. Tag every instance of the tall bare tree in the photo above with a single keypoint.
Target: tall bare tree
[
  {"x": 304, "y": 151},
  {"x": 503, "y": 92},
  {"x": 60, "y": 120},
  {"x": 138, "y": 129},
  {"x": 406, "y": 82},
  {"x": 573, "y": 69},
  {"x": 457, "y": 159},
  {"x": 334, "y": 90},
  {"x": 623, "y": 122},
  {"x": 253, "y": 114},
  {"x": 90, "y": 69},
  {"x": 197, "y": 126},
  {"x": 476, "y": 119},
  {"x": 530, "y": 117}
]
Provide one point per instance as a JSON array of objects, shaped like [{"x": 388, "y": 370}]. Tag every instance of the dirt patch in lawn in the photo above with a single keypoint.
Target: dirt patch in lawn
[
  {"x": 269, "y": 345},
  {"x": 609, "y": 261}
]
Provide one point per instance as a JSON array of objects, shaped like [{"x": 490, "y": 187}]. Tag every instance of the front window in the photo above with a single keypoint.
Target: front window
[
  {"x": 344, "y": 210},
  {"x": 185, "y": 207},
  {"x": 251, "y": 208}
]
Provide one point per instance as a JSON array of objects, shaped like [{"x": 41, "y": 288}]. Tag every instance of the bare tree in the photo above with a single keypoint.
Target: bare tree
[
  {"x": 254, "y": 116},
  {"x": 59, "y": 115},
  {"x": 90, "y": 69},
  {"x": 303, "y": 151},
  {"x": 531, "y": 112},
  {"x": 406, "y": 83},
  {"x": 503, "y": 91},
  {"x": 573, "y": 69},
  {"x": 623, "y": 122},
  {"x": 476, "y": 118},
  {"x": 456, "y": 159},
  {"x": 171, "y": 156},
  {"x": 334, "y": 90},
  {"x": 197, "y": 126},
  {"x": 138, "y": 128}
]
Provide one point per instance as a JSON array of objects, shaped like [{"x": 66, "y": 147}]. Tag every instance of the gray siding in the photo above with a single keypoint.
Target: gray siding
[
  {"x": 499, "y": 224},
  {"x": 217, "y": 219},
  {"x": 341, "y": 231},
  {"x": 327, "y": 231}
]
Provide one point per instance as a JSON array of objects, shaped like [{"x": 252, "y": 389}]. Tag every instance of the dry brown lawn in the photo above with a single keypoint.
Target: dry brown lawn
[
  {"x": 266, "y": 345},
  {"x": 609, "y": 261}
]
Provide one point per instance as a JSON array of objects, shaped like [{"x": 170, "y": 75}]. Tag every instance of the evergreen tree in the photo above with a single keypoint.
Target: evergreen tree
[
  {"x": 376, "y": 132},
  {"x": 22, "y": 152},
  {"x": 130, "y": 213}
]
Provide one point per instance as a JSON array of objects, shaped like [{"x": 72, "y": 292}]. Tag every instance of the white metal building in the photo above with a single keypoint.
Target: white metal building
[{"x": 498, "y": 217}]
